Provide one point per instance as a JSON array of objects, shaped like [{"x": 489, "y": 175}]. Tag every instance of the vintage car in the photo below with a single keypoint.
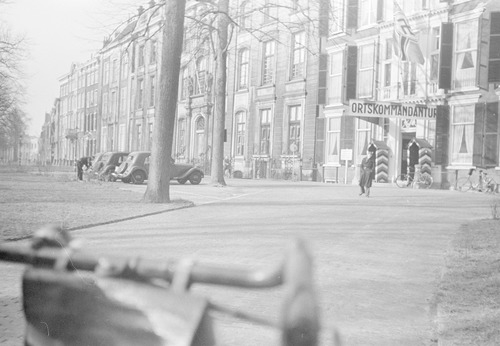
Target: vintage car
[
  {"x": 135, "y": 169},
  {"x": 101, "y": 169}
]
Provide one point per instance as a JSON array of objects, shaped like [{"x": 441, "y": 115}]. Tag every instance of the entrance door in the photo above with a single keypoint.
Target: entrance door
[{"x": 405, "y": 162}]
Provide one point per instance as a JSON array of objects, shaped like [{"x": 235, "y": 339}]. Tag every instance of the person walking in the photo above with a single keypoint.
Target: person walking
[
  {"x": 367, "y": 173},
  {"x": 84, "y": 161}
]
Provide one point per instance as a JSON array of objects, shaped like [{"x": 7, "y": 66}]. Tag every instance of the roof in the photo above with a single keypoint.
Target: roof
[
  {"x": 422, "y": 143},
  {"x": 379, "y": 144}
]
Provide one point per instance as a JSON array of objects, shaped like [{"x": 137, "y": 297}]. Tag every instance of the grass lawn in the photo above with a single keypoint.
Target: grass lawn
[
  {"x": 469, "y": 293},
  {"x": 29, "y": 201}
]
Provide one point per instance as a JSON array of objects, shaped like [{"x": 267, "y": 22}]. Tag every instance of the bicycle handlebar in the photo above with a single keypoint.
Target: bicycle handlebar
[{"x": 144, "y": 269}]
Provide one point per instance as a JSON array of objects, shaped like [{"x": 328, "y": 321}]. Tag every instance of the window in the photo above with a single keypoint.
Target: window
[
  {"x": 363, "y": 135},
  {"x": 333, "y": 140},
  {"x": 244, "y": 58},
  {"x": 185, "y": 83},
  {"x": 123, "y": 100},
  {"x": 138, "y": 136},
  {"x": 337, "y": 16},
  {"x": 181, "y": 139},
  {"x": 152, "y": 95},
  {"x": 409, "y": 78},
  {"x": 141, "y": 56},
  {"x": 294, "y": 128},
  {"x": 140, "y": 93},
  {"x": 388, "y": 63},
  {"x": 105, "y": 104},
  {"x": 434, "y": 56},
  {"x": 121, "y": 138},
  {"x": 105, "y": 77},
  {"x": 114, "y": 69},
  {"x": 125, "y": 67},
  {"x": 113, "y": 104},
  {"x": 335, "y": 85},
  {"x": 153, "y": 52},
  {"x": 270, "y": 11},
  {"x": 366, "y": 68},
  {"x": 200, "y": 137},
  {"x": 298, "y": 55},
  {"x": 268, "y": 62},
  {"x": 240, "y": 133},
  {"x": 462, "y": 133},
  {"x": 245, "y": 15},
  {"x": 367, "y": 12},
  {"x": 150, "y": 135},
  {"x": 201, "y": 74},
  {"x": 265, "y": 131},
  {"x": 465, "y": 54}
]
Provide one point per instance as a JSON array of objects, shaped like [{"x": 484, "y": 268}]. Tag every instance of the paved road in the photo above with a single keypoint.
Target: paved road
[{"x": 377, "y": 259}]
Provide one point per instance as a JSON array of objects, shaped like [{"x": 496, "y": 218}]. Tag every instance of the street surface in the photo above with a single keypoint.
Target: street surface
[{"x": 377, "y": 260}]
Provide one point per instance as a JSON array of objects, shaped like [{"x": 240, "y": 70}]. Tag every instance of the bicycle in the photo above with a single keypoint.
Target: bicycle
[
  {"x": 484, "y": 183},
  {"x": 422, "y": 180}
]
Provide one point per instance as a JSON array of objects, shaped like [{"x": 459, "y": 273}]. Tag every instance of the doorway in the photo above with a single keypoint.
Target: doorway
[{"x": 405, "y": 159}]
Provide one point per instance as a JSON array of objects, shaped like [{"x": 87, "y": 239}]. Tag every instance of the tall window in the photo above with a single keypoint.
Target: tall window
[
  {"x": 434, "y": 56},
  {"x": 113, "y": 104},
  {"x": 150, "y": 135},
  {"x": 337, "y": 16},
  {"x": 200, "y": 137},
  {"x": 335, "y": 85},
  {"x": 125, "y": 66},
  {"x": 298, "y": 55},
  {"x": 240, "y": 133},
  {"x": 466, "y": 54},
  {"x": 265, "y": 131},
  {"x": 268, "y": 62},
  {"x": 244, "y": 59},
  {"x": 184, "y": 83},
  {"x": 105, "y": 104},
  {"x": 245, "y": 15},
  {"x": 294, "y": 127},
  {"x": 366, "y": 69},
  {"x": 123, "y": 100},
  {"x": 181, "y": 139},
  {"x": 462, "y": 132},
  {"x": 114, "y": 69},
  {"x": 363, "y": 134},
  {"x": 201, "y": 75},
  {"x": 388, "y": 63},
  {"x": 141, "y": 56},
  {"x": 333, "y": 140},
  {"x": 138, "y": 136},
  {"x": 105, "y": 70},
  {"x": 140, "y": 93},
  {"x": 153, "y": 52},
  {"x": 409, "y": 78},
  {"x": 152, "y": 91},
  {"x": 367, "y": 12}
]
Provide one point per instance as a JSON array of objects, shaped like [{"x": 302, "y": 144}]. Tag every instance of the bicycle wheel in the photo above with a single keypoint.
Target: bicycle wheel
[
  {"x": 491, "y": 186},
  {"x": 403, "y": 180},
  {"x": 464, "y": 184},
  {"x": 425, "y": 181}
]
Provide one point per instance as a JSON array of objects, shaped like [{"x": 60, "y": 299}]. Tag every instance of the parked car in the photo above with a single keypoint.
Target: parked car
[
  {"x": 135, "y": 169},
  {"x": 106, "y": 165}
]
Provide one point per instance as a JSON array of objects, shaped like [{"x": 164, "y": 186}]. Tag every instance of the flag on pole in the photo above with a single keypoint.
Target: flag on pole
[{"x": 406, "y": 43}]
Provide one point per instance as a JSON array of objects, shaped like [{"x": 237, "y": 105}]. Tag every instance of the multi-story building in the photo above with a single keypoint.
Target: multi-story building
[{"x": 311, "y": 86}]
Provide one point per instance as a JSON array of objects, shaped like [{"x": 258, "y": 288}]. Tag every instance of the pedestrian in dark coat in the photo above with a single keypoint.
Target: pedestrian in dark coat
[
  {"x": 367, "y": 173},
  {"x": 84, "y": 161}
]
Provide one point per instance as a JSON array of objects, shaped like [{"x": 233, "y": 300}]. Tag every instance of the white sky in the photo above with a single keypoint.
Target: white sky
[{"x": 59, "y": 32}]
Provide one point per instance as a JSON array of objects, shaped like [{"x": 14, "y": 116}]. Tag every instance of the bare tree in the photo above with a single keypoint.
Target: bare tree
[{"x": 158, "y": 190}]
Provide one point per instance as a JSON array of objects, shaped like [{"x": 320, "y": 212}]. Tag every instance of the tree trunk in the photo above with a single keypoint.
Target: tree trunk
[
  {"x": 217, "y": 170},
  {"x": 158, "y": 190}
]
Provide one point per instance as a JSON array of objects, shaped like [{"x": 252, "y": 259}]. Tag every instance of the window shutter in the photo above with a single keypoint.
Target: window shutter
[
  {"x": 352, "y": 63},
  {"x": 352, "y": 14},
  {"x": 446, "y": 56},
  {"x": 323, "y": 66},
  {"x": 477, "y": 155},
  {"x": 319, "y": 153},
  {"x": 442, "y": 128},
  {"x": 482, "y": 54},
  {"x": 324, "y": 15},
  {"x": 490, "y": 135},
  {"x": 494, "y": 56}
]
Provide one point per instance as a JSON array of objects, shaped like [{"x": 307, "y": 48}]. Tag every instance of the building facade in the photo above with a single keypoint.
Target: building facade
[{"x": 311, "y": 86}]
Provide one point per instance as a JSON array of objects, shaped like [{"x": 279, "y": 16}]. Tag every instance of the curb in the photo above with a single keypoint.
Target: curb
[{"x": 182, "y": 205}]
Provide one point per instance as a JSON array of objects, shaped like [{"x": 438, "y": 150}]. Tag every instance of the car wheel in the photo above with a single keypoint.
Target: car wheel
[
  {"x": 195, "y": 178},
  {"x": 138, "y": 177},
  {"x": 181, "y": 181}
]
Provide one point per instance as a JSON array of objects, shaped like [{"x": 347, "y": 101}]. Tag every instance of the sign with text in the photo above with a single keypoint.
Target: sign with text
[
  {"x": 361, "y": 108},
  {"x": 346, "y": 154}
]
